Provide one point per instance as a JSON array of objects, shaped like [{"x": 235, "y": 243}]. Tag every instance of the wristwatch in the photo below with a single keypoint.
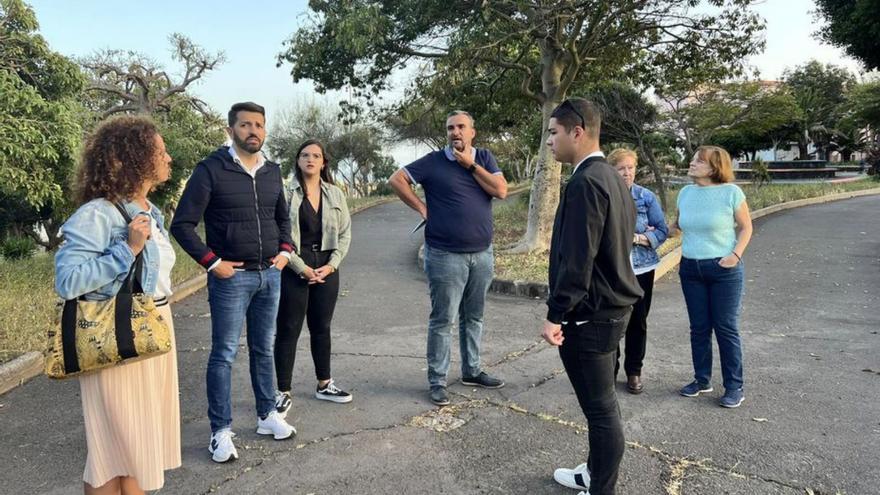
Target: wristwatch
[{"x": 472, "y": 168}]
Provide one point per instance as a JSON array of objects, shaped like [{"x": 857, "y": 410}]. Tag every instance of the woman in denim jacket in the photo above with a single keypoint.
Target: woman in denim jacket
[
  {"x": 651, "y": 231},
  {"x": 320, "y": 227},
  {"x": 131, "y": 412}
]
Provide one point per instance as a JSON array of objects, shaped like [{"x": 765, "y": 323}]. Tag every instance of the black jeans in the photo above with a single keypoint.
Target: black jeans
[
  {"x": 637, "y": 329},
  {"x": 313, "y": 303},
  {"x": 588, "y": 354}
]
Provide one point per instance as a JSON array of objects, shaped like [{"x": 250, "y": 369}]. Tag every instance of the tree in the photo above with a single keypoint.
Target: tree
[
  {"x": 852, "y": 25},
  {"x": 863, "y": 104},
  {"x": 355, "y": 150},
  {"x": 506, "y": 122},
  {"x": 628, "y": 117},
  {"x": 294, "y": 125},
  {"x": 763, "y": 116},
  {"x": 39, "y": 129},
  {"x": 859, "y": 128},
  {"x": 129, "y": 82},
  {"x": 543, "y": 47},
  {"x": 820, "y": 91}
]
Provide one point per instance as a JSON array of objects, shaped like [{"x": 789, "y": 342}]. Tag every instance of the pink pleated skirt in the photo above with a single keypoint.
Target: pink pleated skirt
[{"x": 132, "y": 419}]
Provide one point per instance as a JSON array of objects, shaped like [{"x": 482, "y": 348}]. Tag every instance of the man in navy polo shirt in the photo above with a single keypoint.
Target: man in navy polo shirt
[{"x": 459, "y": 182}]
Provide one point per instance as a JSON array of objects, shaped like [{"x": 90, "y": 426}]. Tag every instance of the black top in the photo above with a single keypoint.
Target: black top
[
  {"x": 246, "y": 218},
  {"x": 310, "y": 225},
  {"x": 590, "y": 274}
]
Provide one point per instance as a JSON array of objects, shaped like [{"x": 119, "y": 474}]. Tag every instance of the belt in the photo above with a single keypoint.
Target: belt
[{"x": 315, "y": 247}]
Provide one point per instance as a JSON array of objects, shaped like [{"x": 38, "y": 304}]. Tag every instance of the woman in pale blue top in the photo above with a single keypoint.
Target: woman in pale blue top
[
  {"x": 650, "y": 233},
  {"x": 711, "y": 269}
]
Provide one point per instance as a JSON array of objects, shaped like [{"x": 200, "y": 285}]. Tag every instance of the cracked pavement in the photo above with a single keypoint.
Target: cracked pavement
[{"x": 810, "y": 423}]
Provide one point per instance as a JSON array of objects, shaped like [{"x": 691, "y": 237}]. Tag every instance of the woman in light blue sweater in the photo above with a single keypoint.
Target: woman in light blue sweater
[{"x": 712, "y": 271}]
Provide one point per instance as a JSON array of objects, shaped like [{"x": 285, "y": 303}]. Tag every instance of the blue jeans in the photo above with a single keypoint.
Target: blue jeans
[
  {"x": 458, "y": 283},
  {"x": 251, "y": 296},
  {"x": 713, "y": 295}
]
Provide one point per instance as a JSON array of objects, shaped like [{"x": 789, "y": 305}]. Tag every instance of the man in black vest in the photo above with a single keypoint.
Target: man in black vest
[
  {"x": 247, "y": 229},
  {"x": 592, "y": 287}
]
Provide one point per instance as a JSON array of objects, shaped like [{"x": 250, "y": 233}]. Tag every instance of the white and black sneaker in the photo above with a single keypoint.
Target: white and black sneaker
[
  {"x": 274, "y": 425},
  {"x": 333, "y": 394},
  {"x": 283, "y": 401},
  {"x": 221, "y": 446},
  {"x": 578, "y": 478}
]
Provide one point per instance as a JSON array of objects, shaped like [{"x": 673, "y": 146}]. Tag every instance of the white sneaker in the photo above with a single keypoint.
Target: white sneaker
[
  {"x": 275, "y": 425},
  {"x": 578, "y": 477},
  {"x": 221, "y": 446}
]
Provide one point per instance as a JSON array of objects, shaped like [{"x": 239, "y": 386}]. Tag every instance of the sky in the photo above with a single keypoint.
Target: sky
[{"x": 252, "y": 33}]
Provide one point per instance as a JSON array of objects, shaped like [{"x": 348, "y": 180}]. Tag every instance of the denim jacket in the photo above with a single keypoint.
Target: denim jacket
[
  {"x": 335, "y": 222},
  {"x": 94, "y": 259},
  {"x": 648, "y": 214}
]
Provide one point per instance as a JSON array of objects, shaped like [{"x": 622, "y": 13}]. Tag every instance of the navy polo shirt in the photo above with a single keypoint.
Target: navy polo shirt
[{"x": 459, "y": 210}]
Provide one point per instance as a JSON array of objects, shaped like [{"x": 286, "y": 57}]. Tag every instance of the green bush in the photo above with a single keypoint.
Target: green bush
[
  {"x": 17, "y": 248},
  {"x": 760, "y": 172}
]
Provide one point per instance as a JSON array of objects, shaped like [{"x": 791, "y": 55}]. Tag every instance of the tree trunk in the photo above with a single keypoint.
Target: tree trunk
[
  {"x": 544, "y": 193},
  {"x": 545, "y": 187},
  {"x": 802, "y": 147},
  {"x": 658, "y": 173}
]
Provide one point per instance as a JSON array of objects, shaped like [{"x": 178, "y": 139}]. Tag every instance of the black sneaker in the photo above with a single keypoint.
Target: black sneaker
[
  {"x": 482, "y": 380},
  {"x": 439, "y": 395},
  {"x": 282, "y": 402},
  {"x": 333, "y": 394}
]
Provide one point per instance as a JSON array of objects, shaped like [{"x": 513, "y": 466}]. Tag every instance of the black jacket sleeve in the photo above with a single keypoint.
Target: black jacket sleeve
[
  {"x": 582, "y": 226},
  {"x": 190, "y": 210},
  {"x": 282, "y": 218}
]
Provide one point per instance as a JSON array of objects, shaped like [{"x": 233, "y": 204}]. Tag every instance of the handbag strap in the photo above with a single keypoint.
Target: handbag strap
[
  {"x": 122, "y": 316},
  {"x": 132, "y": 283}
]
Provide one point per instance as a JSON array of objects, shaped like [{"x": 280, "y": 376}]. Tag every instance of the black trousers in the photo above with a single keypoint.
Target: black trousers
[
  {"x": 637, "y": 330},
  {"x": 588, "y": 354},
  {"x": 313, "y": 303}
]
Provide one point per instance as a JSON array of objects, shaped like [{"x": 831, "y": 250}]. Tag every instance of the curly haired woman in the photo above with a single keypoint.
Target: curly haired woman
[{"x": 131, "y": 412}]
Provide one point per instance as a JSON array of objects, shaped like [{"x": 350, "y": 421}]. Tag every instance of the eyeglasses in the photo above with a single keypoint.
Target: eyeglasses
[{"x": 570, "y": 105}]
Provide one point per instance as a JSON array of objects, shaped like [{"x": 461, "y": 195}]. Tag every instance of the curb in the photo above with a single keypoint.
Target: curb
[
  {"x": 20, "y": 370},
  {"x": 670, "y": 261},
  {"x": 28, "y": 365}
]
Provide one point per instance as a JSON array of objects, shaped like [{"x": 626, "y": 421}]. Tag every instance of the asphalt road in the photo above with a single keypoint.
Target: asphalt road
[{"x": 811, "y": 420}]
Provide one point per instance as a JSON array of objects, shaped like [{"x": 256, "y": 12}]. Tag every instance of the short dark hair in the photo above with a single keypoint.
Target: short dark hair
[
  {"x": 579, "y": 112},
  {"x": 246, "y": 106}
]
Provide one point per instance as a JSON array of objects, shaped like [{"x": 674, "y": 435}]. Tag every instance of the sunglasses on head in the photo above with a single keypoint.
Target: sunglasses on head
[{"x": 569, "y": 104}]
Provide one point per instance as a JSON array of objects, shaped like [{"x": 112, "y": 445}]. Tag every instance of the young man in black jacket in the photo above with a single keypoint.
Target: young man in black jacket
[
  {"x": 247, "y": 228},
  {"x": 592, "y": 287}
]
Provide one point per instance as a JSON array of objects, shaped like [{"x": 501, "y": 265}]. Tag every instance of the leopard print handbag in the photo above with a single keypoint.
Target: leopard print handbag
[{"x": 92, "y": 335}]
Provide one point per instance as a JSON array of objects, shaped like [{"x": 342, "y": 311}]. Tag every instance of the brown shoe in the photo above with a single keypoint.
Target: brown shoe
[{"x": 634, "y": 384}]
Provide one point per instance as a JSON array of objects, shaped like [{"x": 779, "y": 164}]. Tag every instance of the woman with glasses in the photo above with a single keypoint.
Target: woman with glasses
[{"x": 320, "y": 226}]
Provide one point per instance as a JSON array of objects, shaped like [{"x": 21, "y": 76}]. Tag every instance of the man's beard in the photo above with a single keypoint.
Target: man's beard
[
  {"x": 459, "y": 145},
  {"x": 243, "y": 144}
]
